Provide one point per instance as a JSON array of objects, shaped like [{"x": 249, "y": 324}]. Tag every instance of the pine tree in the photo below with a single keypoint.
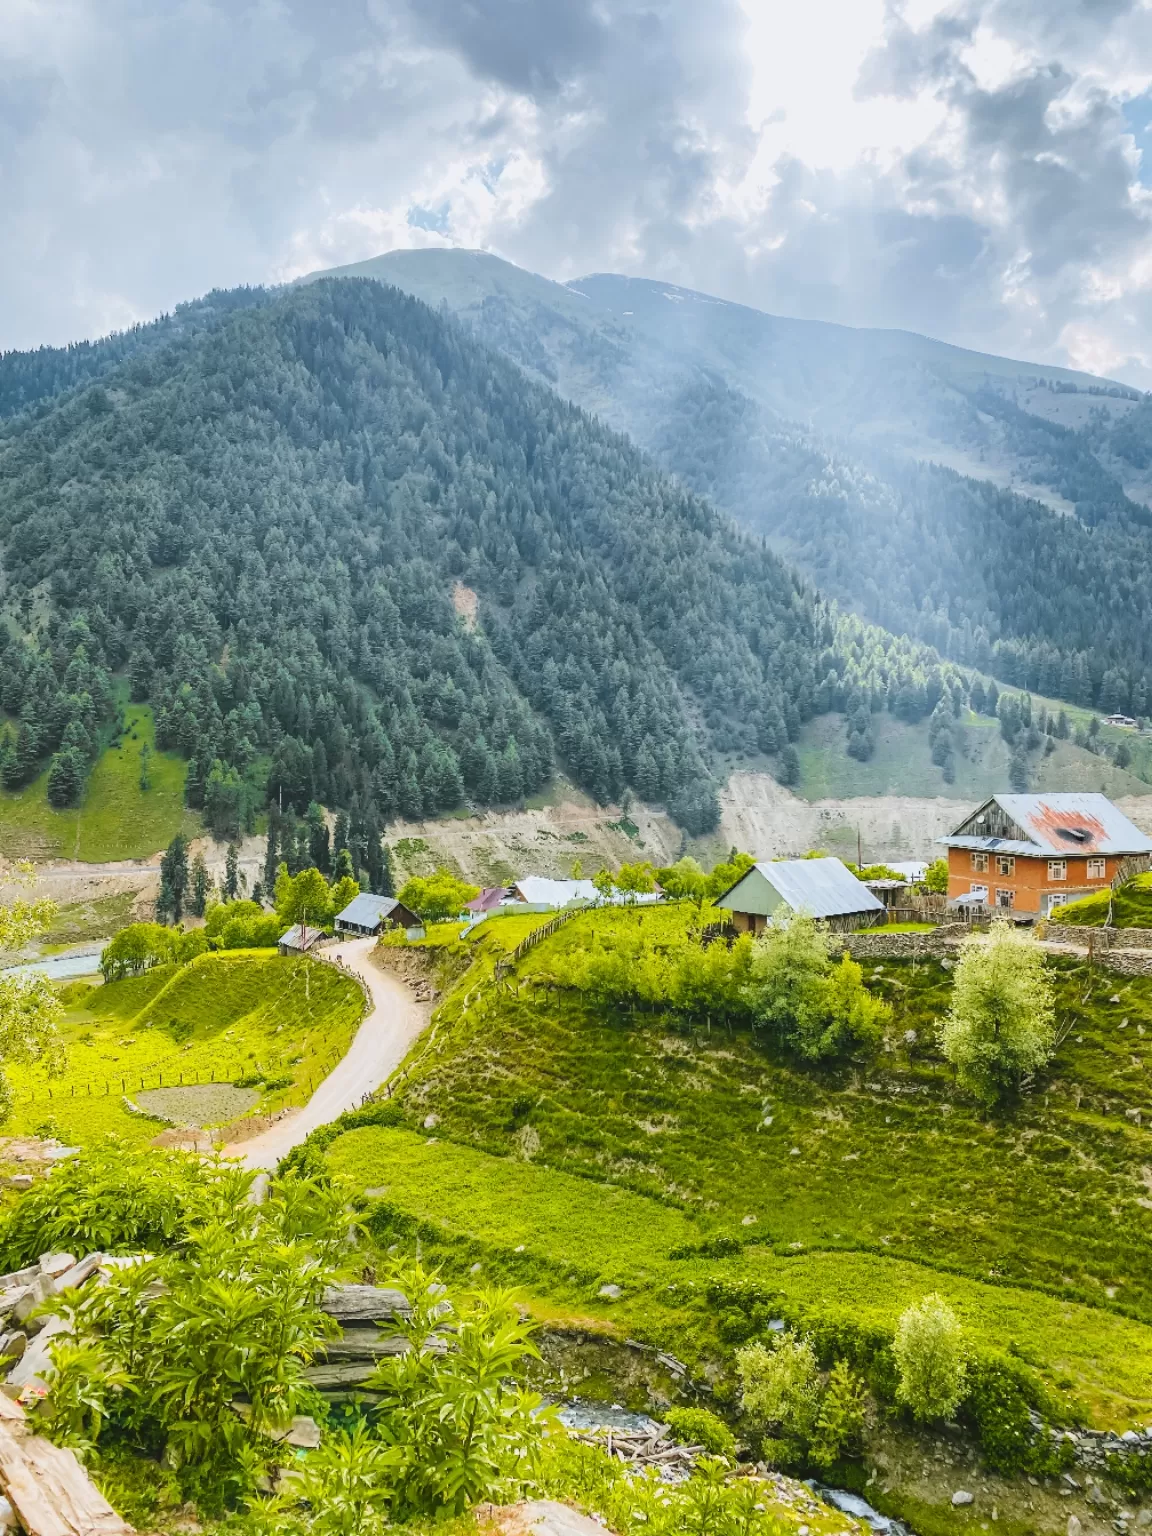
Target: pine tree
[
  {"x": 231, "y": 873},
  {"x": 173, "y": 880},
  {"x": 201, "y": 886}
]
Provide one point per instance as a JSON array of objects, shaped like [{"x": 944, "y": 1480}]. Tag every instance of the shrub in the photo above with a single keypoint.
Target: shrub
[
  {"x": 780, "y": 1384},
  {"x": 1000, "y": 1024},
  {"x": 437, "y": 897},
  {"x": 840, "y": 1417},
  {"x": 111, "y": 1198},
  {"x": 1000, "y": 1399},
  {"x": 930, "y": 1359},
  {"x": 696, "y": 1426},
  {"x": 137, "y": 948}
]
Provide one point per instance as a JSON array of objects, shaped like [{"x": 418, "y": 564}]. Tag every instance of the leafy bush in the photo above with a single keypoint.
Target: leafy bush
[
  {"x": 1000, "y": 1399},
  {"x": 111, "y": 1198},
  {"x": 1000, "y": 1024},
  {"x": 167, "y": 1345},
  {"x": 437, "y": 897},
  {"x": 462, "y": 1427},
  {"x": 780, "y": 1384},
  {"x": 931, "y": 1359},
  {"x": 136, "y": 949},
  {"x": 819, "y": 1009},
  {"x": 696, "y": 1426},
  {"x": 840, "y": 1418},
  {"x": 710, "y": 1501}
]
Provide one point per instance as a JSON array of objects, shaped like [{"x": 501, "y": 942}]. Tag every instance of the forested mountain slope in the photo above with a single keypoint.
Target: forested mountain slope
[
  {"x": 996, "y": 509},
  {"x": 264, "y": 521}
]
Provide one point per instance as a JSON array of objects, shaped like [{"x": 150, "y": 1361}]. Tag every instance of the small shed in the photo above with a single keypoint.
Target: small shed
[
  {"x": 367, "y": 914},
  {"x": 821, "y": 888},
  {"x": 299, "y": 939}
]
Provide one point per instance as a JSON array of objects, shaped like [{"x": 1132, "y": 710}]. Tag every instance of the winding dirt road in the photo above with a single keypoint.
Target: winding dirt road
[{"x": 381, "y": 1044}]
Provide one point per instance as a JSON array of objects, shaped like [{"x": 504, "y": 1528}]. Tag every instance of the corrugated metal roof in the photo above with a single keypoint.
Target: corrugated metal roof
[
  {"x": 1068, "y": 824},
  {"x": 538, "y": 890},
  {"x": 298, "y": 938},
  {"x": 820, "y": 887},
  {"x": 366, "y": 910}
]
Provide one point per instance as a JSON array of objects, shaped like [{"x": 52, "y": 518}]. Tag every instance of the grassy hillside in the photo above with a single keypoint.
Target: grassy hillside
[
  {"x": 222, "y": 1017},
  {"x": 117, "y": 820},
  {"x": 901, "y": 763},
  {"x": 851, "y": 1189}
]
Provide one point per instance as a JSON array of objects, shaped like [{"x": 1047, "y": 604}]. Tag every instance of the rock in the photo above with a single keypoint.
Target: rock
[
  {"x": 794, "y": 1152},
  {"x": 363, "y": 1303},
  {"x": 13, "y": 1345},
  {"x": 609, "y": 1292},
  {"x": 1115, "y": 998},
  {"x": 19, "y": 1181},
  {"x": 55, "y": 1264},
  {"x": 80, "y": 1272},
  {"x": 962, "y": 1496},
  {"x": 476, "y": 1268},
  {"x": 776, "y": 1325},
  {"x": 1074, "y": 1526},
  {"x": 35, "y": 1364},
  {"x": 538, "y": 1517},
  {"x": 1143, "y": 1519},
  {"x": 40, "y": 1290},
  {"x": 431, "y": 1122},
  {"x": 1095, "y": 1494},
  {"x": 1130, "y": 1437},
  {"x": 748, "y": 1221}
]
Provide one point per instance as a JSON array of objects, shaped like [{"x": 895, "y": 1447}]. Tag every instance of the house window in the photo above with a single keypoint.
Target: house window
[
  {"x": 1057, "y": 869},
  {"x": 979, "y": 863},
  {"x": 1005, "y": 864},
  {"x": 1005, "y": 900},
  {"x": 1097, "y": 869}
]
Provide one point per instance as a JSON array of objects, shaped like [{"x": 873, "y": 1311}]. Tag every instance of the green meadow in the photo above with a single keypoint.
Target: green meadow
[
  {"x": 601, "y": 1140},
  {"x": 239, "y": 1014},
  {"x": 117, "y": 819}
]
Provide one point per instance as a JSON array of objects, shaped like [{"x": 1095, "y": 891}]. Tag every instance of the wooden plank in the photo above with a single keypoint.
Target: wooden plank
[{"x": 49, "y": 1489}]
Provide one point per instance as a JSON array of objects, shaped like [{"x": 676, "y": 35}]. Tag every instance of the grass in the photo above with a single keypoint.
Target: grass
[
  {"x": 96, "y": 918},
  {"x": 223, "y": 1016},
  {"x": 1129, "y": 907},
  {"x": 118, "y": 820},
  {"x": 864, "y": 1185},
  {"x": 902, "y": 761}
]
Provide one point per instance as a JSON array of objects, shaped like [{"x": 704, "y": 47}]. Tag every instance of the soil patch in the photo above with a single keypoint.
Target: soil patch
[{"x": 202, "y": 1104}]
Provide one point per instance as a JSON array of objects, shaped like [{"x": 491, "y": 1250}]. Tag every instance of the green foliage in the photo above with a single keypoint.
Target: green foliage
[
  {"x": 931, "y": 1359},
  {"x": 461, "y": 1426},
  {"x": 840, "y": 1418},
  {"x": 697, "y": 1426},
  {"x": 344, "y": 1488},
  {"x": 83, "y": 1380},
  {"x": 780, "y": 1385},
  {"x": 999, "y": 1400},
  {"x": 819, "y": 1009},
  {"x": 136, "y": 949},
  {"x": 437, "y": 897},
  {"x": 303, "y": 898},
  {"x": 709, "y": 1503},
  {"x": 1000, "y": 1024},
  {"x": 230, "y": 1313},
  {"x": 112, "y": 1199},
  {"x": 936, "y": 879},
  {"x": 29, "y": 1010}
]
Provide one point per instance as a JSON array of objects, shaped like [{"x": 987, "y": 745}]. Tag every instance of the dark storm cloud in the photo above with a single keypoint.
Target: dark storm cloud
[{"x": 520, "y": 43}]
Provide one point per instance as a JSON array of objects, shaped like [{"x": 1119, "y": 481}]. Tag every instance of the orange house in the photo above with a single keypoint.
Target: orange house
[{"x": 1029, "y": 853}]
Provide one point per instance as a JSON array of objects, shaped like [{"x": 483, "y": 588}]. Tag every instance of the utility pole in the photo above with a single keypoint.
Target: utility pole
[{"x": 859, "y": 853}]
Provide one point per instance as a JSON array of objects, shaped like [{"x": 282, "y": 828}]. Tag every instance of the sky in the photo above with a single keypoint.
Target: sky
[{"x": 980, "y": 172}]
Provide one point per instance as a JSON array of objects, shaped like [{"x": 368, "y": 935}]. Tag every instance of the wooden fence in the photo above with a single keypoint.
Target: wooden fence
[{"x": 505, "y": 966}]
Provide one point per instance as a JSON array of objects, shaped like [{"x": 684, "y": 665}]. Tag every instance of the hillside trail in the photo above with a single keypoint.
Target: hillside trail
[{"x": 383, "y": 1040}]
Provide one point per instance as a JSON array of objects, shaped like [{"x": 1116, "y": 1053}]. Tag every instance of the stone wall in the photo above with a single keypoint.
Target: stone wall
[
  {"x": 1099, "y": 938},
  {"x": 879, "y": 945}
]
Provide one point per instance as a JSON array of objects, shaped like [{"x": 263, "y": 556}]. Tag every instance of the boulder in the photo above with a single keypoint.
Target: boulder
[
  {"x": 39, "y": 1290},
  {"x": 363, "y": 1303},
  {"x": 609, "y": 1292},
  {"x": 35, "y": 1364},
  {"x": 18, "y": 1181},
  {"x": 55, "y": 1264},
  {"x": 962, "y": 1497},
  {"x": 1074, "y": 1526},
  {"x": 84, "y": 1270}
]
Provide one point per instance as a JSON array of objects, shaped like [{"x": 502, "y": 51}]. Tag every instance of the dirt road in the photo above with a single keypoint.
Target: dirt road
[{"x": 381, "y": 1043}]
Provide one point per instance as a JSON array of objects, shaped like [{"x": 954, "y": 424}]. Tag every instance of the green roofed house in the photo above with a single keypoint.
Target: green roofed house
[{"x": 821, "y": 888}]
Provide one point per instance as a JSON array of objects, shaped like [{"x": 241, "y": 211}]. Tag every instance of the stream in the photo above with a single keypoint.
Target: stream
[
  {"x": 59, "y": 967},
  {"x": 578, "y": 1413}
]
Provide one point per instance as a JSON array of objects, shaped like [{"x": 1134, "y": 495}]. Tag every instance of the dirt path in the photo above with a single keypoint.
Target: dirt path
[{"x": 381, "y": 1043}]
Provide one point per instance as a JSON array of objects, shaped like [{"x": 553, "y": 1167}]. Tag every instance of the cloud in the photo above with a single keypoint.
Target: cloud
[{"x": 972, "y": 170}]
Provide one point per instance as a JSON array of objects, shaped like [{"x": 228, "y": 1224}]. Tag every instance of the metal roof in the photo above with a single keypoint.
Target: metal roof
[
  {"x": 298, "y": 937},
  {"x": 819, "y": 887},
  {"x": 366, "y": 910},
  {"x": 539, "y": 891},
  {"x": 1062, "y": 824}
]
